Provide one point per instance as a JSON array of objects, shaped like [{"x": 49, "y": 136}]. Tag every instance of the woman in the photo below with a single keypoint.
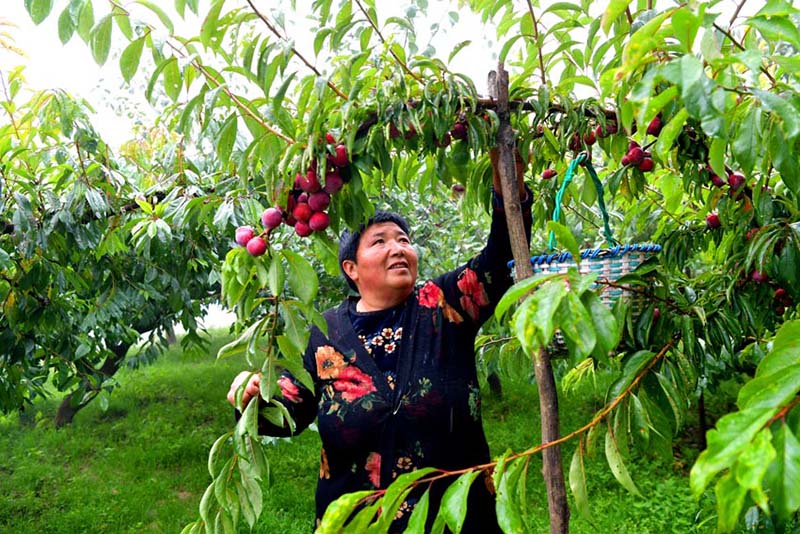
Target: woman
[{"x": 395, "y": 376}]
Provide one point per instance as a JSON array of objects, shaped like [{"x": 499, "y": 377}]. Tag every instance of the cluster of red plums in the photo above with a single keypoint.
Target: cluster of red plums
[{"x": 306, "y": 204}]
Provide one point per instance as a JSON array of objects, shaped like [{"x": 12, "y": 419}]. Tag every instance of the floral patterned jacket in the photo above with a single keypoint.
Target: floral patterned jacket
[{"x": 373, "y": 431}]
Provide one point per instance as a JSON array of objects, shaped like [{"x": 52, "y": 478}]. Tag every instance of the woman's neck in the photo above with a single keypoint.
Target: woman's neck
[{"x": 376, "y": 304}]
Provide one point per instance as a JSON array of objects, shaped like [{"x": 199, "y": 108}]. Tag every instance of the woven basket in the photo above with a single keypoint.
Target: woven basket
[{"x": 610, "y": 263}]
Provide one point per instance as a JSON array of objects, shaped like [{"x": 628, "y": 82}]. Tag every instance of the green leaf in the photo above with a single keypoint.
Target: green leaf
[
  {"x": 783, "y": 476},
  {"x": 733, "y": 433},
  {"x": 534, "y": 319},
  {"x": 416, "y": 523},
  {"x": 507, "y": 46},
  {"x": 508, "y": 502},
  {"x": 776, "y": 28},
  {"x": 172, "y": 79},
  {"x": 771, "y": 391},
  {"x": 205, "y": 502},
  {"x": 227, "y": 138},
  {"x": 396, "y": 494},
  {"x": 785, "y": 111},
  {"x": 685, "y": 25},
  {"x": 730, "y": 498},
  {"x": 519, "y": 289},
  {"x": 210, "y": 24},
  {"x": 66, "y": 26},
  {"x": 302, "y": 276},
  {"x": 454, "y": 501},
  {"x": 101, "y": 39},
  {"x": 129, "y": 60},
  {"x": 617, "y": 465},
  {"x": 457, "y": 49},
  {"x": 605, "y": 325},
  {"x": 670, "y": 132},
  {"x": 212, "y": 454},
  {"x": 577, "y": 483},
  {"x": 752, "y": 463},
  {"x": 613, "y": 11},
  {"x": 643, "y": 41},
  {"x": 340, "y": 510},
  {"x": 576, "y": 325},
  {"x": 86, "y": 21},
  {"x": 122, "y": 18},
  {"x": 251, "y": 498},
  {"x": 785, "y": 351},
  {"x": 565, "y": 237},
  {"x": 296, "y": 326},
  {"x": 276, "y": 277},
  {"x": 675, "y": 401},
  {"x": 747, "y": 136},
  {"x": 38, "y": 9},
  {"x": 165, "y": 20}
]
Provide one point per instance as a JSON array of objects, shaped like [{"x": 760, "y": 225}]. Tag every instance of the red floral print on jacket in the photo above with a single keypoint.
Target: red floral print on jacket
[
  {"x": 353, "y": 383},
  {"x": 289, "y": 389},
  {"x": 474, "y": 294},
  {"x": 431, "y": 296},
  {"x": 373, "y": 467}
]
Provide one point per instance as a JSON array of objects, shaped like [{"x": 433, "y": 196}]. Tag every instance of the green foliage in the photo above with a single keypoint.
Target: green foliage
[
  {"x": 243, "y": 95},
  {"x": 757, "y": 446}
]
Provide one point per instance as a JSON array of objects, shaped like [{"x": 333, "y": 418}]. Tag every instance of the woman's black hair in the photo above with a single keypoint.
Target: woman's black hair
[{"x": 348, "y": 241}]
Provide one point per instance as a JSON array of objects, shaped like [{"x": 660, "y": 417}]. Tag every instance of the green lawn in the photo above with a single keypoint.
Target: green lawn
[{"x": 141, "y": 465}]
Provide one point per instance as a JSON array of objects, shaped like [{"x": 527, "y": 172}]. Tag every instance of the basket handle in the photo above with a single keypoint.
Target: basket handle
[{"x": 582, "y": 159}]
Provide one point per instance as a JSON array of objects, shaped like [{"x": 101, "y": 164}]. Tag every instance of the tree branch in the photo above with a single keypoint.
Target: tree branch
[
  {"x": 740, "y": 46},
  {"x": 736, "y": 13},
  {"x": 383, "y": 40},
  {"x": 295, "y": 52},
  {"x": 597, "y": 419},
  {"x": 538, "y": 48},
  {"x": 241, "y": 105}
]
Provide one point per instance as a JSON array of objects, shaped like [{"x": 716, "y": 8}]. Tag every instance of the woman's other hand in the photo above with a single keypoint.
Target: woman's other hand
[{"x": 252, "y": 384}]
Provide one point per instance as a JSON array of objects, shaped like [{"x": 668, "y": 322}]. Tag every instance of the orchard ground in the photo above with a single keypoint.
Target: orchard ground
[{"x": 140, "y": 464}]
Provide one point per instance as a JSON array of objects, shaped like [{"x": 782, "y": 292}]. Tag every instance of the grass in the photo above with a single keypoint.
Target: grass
[{"x": 140, "y": 465}]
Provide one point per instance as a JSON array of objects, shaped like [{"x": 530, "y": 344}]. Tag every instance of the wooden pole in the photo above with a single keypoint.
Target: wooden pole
[{"x": 552, "y": 468}]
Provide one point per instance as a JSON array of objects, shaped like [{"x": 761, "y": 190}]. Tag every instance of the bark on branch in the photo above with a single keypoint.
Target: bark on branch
[{"x": 548, "y": 398}]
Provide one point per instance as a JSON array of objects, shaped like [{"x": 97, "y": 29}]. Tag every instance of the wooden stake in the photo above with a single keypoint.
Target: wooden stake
[{"x": 553, "y": 471}]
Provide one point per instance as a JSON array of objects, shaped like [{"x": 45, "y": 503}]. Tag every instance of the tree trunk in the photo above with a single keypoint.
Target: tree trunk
[
  {"x": 548, "y": 398},
  {"x": 69, "y": 407}
]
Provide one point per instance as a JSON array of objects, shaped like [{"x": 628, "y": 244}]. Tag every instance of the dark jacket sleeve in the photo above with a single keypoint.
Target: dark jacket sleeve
[{"x": 475, "y": 288}]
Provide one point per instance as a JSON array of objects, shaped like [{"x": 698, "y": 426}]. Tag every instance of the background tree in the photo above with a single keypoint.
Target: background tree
[{"x": 679, "y": 99}]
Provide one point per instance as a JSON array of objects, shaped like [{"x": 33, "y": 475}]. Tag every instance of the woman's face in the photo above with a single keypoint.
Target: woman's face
[{"x": 386, "y": 263}]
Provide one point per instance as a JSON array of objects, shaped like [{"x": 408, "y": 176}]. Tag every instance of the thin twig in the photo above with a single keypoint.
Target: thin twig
[
  {"x": 383, "y": 40},
  {"x": 241, "y": 105},
  {"x": 538, "y": 47},
  {"x": 740, "y": 46},
  {"x": 736, "y": 13},
  {"x": 80, "y": 160},
  {"x": 785, "y": 410},
  {"x": 295, "y": 52}
]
